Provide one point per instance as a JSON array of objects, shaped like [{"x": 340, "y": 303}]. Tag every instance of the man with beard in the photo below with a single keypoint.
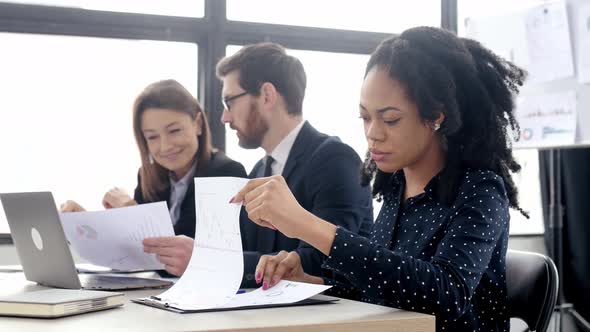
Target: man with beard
[{"x": 263, "y": 91}]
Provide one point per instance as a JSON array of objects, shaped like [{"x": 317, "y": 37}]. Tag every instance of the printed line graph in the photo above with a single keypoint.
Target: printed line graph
[
  {"x": 217, "y": 223},
  {"x": 146, "y": 229}
]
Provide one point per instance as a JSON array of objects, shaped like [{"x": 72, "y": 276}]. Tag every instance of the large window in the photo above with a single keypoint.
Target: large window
[
  {"x": 66, "y": 111},
  {"x": 186, "y": 8},
  {"x": 529, "y": 186},
  {"x": 330, "y": 104},
  {"x": 391, "y": 16}
]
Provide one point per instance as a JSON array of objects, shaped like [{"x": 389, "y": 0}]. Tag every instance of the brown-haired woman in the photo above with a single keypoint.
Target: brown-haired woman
[{"x": 174, "y": 141}]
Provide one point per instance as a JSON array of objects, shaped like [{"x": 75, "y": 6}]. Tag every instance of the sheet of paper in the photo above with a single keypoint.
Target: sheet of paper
[
  {"x": 215, "y": 270},
  {"x": 91, "y": 268},
  {"x": 547, "y": 120},
  {"x": 510, "y": 46},
  {"x": 583, "y": 42},
  {"x": 548, "y": 41},
  {"x": 113, "y": 238},
  {"x": 216, "y": 267},
  {"x": 281, "y": 293}
]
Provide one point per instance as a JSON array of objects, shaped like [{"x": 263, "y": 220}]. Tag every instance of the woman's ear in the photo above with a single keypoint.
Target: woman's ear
[
  {"x": 199, "y": 123},
  {"x": 436, "y": 124}
]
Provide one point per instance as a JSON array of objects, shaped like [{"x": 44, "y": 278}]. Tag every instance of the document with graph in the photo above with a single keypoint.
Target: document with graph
[
  {"x": 113, "y": 238},
  {"x": 215, "y": 270}
]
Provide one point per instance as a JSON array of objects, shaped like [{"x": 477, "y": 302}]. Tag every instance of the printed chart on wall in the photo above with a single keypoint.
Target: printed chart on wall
[
  {"x": 549, "y": 44},
  {"x": 551, "y": 41},
  {"x": 547, "y": 120}
]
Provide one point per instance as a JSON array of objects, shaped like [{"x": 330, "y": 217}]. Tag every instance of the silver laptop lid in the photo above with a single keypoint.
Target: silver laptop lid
[{"x": 39, "y": 238}]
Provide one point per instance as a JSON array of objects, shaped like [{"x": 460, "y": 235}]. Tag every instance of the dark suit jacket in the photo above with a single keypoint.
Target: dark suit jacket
[
  {"x": 324, "y": 175},
  {"x": 219, "y": 165}
]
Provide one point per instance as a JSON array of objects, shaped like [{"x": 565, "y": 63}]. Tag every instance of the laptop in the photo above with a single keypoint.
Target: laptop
[{"x": 43, "y": 249}]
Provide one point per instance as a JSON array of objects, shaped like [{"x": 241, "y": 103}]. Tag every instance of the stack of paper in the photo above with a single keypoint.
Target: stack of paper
[{"x": 215, "y": 270}]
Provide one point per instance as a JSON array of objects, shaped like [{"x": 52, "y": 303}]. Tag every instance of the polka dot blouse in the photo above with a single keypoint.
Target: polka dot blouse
[{"x": 424, "y": 255}]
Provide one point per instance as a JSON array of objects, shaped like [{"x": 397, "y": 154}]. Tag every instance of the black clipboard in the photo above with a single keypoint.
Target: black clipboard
[{"x": 157, "y": 303}]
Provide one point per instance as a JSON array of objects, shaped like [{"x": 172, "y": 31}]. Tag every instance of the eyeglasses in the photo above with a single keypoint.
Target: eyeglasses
[{"x": 225, "y": 101}]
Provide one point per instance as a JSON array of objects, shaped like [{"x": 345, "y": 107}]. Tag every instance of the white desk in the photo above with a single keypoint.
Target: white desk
[{"x": 343, "y": 316}]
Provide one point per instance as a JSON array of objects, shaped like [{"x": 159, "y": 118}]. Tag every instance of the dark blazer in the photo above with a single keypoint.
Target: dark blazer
[
  {"x": 219, "y": 165},
  {"x": 324, "y": 175}
]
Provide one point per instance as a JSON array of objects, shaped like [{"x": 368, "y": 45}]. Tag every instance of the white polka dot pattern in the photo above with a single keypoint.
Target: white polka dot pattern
[{"x": 424, "y": 255}]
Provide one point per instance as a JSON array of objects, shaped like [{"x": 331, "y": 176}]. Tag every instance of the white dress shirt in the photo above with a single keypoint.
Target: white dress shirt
[
  {"x": 281, "y": 153},
  {"x": 178, "y": 192}
]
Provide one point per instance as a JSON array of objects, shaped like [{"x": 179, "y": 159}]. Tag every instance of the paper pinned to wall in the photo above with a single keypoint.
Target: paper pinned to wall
[
  {"x": 548, "y": 42},
  {"x": 510, "y": 46},
  {"x": 547, "y": 120},
  {"x": 583, "y": 42}
]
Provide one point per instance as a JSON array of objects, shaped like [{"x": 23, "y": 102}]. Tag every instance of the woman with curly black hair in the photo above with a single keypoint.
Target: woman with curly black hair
[{"x": 437, "y": 111}]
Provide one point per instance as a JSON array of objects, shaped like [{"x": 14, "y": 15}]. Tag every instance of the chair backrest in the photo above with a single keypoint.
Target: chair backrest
[{"x": 532, "y": 285}]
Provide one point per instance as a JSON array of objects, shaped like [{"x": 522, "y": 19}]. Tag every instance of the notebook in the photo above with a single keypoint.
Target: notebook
[
  {"x": 43, "y": 250},
  {"x": 53, "y": 303}
]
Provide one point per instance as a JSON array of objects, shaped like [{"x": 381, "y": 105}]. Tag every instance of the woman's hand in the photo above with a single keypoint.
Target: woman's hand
[
  {"x": 71, "y": 206},
  {"x": 285, "y": 265},
  {"x": 270, "y": 203},
  {"x": 116, "y": 198},
  {"x": 173, "y": 251}
]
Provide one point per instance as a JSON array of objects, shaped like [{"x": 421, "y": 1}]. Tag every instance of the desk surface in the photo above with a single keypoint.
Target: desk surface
[{"x": 343, "y": 316}]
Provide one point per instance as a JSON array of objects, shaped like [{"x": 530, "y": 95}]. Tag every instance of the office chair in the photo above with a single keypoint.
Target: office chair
[{"x": 532, "y": 285}]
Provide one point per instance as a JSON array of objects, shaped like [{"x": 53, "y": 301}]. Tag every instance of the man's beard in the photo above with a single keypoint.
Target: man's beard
[{"x": 256, "y": 127}]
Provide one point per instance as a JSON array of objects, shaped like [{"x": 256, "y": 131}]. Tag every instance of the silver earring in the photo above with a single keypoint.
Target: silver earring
[
  {"x": 436, "y": 126},
  {"x": 151, "y": 159}
]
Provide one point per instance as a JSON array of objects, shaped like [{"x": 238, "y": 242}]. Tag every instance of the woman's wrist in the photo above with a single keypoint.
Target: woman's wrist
[
  {"x": 313, "y": 279},
  {"x": 317, "y": 232}
]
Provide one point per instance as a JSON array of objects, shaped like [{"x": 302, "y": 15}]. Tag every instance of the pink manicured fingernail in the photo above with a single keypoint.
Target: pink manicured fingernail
[
  {"x": 264, "y": 286},
  {"x": 258, "y": 277}
]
